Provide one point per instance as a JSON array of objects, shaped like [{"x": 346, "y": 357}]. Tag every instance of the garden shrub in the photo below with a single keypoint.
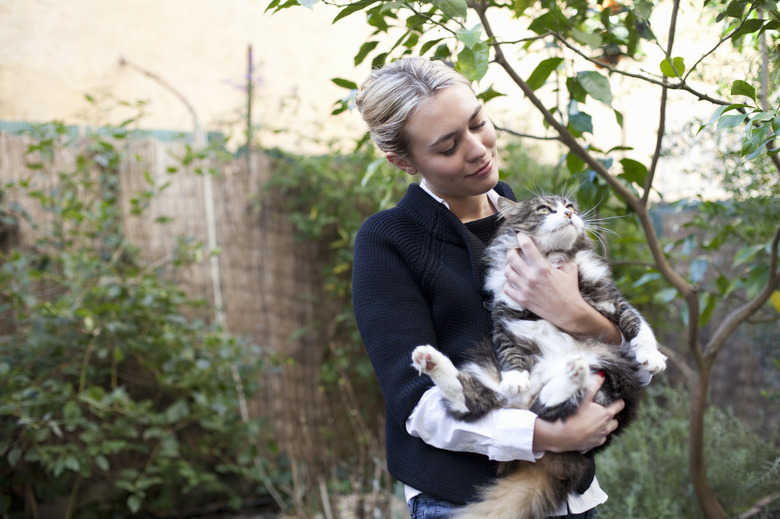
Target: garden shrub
[
  {"x": 112, "y": 401},
  {"x": 645, "y": 470}
]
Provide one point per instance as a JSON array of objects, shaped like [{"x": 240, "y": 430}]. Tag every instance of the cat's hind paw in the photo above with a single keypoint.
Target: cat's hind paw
[
  {"x": 651, "y": 360},
  {"x": 426, "y": 359},
  {"x": 515, "y": 382},
  {"x": 577, "y": 371}
]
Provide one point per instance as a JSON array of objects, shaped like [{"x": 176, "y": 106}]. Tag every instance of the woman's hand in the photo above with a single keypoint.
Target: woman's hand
[
  {"x": 553, "y": 293},
  {"x": 587, "y": 429}
]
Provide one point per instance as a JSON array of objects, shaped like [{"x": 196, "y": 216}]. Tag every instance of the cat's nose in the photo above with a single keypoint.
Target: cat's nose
[{"x": 568, "y": 213}]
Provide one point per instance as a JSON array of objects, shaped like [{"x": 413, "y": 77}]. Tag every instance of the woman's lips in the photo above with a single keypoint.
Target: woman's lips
[{"x": 484, "y": 170}]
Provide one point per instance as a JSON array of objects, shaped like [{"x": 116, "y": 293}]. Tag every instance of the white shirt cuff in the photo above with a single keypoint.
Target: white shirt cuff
[{"x": 501, "y": 435}]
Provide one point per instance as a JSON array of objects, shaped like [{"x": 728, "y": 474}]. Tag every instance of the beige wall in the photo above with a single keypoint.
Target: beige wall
[{"x": 52, "y": 53}]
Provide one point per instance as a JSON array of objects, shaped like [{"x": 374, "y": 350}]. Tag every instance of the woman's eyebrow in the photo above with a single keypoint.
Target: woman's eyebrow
[{"x": 450, "y": 135}]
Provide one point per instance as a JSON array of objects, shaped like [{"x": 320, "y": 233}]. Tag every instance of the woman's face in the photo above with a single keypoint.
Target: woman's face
[{"x": 452, "y": 145}]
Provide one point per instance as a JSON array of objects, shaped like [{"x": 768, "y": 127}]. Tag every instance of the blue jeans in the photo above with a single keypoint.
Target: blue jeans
[{"x": 423, "y": 506}]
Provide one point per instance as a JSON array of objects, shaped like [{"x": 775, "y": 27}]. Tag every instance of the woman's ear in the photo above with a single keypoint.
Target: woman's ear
[{"x": 401, "y": 163}]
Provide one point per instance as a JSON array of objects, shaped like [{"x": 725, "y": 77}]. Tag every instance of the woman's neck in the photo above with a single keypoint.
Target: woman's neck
[{"x": 472, "y": 208}]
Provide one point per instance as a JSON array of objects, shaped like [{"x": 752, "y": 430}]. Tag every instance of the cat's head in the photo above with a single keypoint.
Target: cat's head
[{"x": 553, "y": 221}]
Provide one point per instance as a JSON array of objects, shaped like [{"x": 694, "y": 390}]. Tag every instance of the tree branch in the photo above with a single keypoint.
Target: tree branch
[
  {"x": 663, "y": 266},
  {"x": 525, "y": 135},
  {"x": 735, "y": 318},
  {"x": 664, "y": 82}
]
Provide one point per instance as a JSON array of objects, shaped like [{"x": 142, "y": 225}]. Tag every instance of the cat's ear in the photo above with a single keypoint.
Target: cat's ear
[
  {"x": 401, "y": 163},
  {"x": 505, "y": 204}
]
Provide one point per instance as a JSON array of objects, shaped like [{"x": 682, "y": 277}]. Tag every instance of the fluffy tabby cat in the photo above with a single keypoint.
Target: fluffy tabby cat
[{"x": 532, "y": 364}]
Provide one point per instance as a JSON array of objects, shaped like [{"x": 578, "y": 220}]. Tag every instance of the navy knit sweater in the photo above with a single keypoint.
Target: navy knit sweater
[{"x": 417, "y": 279}]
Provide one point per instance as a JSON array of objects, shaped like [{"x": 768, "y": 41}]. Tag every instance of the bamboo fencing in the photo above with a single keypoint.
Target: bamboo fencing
[{"x": 271, "y": 284}]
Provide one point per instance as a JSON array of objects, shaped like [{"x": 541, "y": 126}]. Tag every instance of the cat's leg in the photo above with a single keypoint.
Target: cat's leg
[
  {"x": 515, "y": 387},
  {"x": 645, "y": 349},
  {"x": 565, "y": 384},
  {"x": 427, "y": 359}
]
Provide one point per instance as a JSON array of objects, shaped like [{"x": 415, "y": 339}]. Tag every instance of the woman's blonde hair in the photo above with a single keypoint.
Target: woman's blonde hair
[{"x": 392, "y": 93}]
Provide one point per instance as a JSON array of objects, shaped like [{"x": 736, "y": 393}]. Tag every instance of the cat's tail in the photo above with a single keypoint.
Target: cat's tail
[{"x": 531, "y": 490}]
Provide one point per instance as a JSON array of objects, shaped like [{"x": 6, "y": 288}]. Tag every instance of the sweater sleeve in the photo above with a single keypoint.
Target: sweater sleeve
[{"x": 391, "y": 311}]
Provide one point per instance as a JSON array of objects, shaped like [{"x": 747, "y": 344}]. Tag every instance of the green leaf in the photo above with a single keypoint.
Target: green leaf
[
  {"x": 470, "y": 37},
  {"x": 674, "y": 68},
  {"x": 634, "y": 171},
  {"x": 14, "y": 455},
  {"x": 365, "y": 49},
  {"x": 550, "y": 21},
  {"x": 344, "y": 83},
  {"x": 735, "y": 9},
  {"x": 489, "y": 94},
  {"x": 574, "y": 164},
  {"x": 457, "y": 9},
  {"x": 592, "y": 40},
  {"x": 707, "y": 304},
  {"x": 576, "y": 92},
  {"x": 697, "y": 269},
  {"x": 743, "y": 88},
  {"x": 134, "y": 503},
  {"x": 596, "y": 85},
  {"x": 352, "y": 8},
  {"x": 618, "y": 117},
  {"x": 473, "y": 63},
  {"x": 731, "y": 121},
  {"x": 746, "y": 254},
  {"x": 427, "y": 45},
  {"x": 580, "y": 123},
  {"x": 520, "y": 6},
  {"x": 176, "y": 412},
  {"x": 749, "y": 27},
  {"x": 102, "y": 463},
  {"x": 542, "y": 71},
  {"x": 665, "y": 296},
  {"x": 757, "y": 280},
  {"x": 648, "y": 277}
]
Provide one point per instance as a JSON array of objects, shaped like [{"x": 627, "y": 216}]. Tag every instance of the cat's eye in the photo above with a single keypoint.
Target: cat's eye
[{"x": 543, "y": 209}]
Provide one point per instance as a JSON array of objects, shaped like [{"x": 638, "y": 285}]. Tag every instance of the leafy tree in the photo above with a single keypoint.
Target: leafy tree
[{"x": 580, "y": 48}]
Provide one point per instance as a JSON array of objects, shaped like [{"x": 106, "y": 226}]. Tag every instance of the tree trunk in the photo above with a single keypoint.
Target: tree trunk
[{"x": 709, "y": 503}]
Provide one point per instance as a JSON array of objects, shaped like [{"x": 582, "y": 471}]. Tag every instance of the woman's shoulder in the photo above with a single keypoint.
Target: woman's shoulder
[
  {"x": 402, "y": 218},
  {"x": 392, "y": 228}
]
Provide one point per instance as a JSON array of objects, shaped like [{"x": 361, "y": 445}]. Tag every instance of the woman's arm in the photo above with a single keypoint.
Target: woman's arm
[
  {"x": 514, "y": 434},
  {"x": 501, "y": 435},
  {"x": 553, "y": 293}
]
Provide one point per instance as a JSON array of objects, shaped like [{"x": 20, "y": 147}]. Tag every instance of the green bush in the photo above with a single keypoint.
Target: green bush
[
  {"x": 645, "y": 470},
  {"x": 112, "y": 401}
]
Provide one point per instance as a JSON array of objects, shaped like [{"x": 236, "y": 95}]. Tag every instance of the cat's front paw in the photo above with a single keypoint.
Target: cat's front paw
[
  {"x": 651, "y": 360},
  {"x": 426, "y": 359},
  {"x": 515, "y": 382}
]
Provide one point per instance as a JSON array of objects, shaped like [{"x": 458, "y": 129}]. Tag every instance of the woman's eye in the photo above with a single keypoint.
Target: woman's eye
[
  {"x": 450, "y": 151},
  {"x": 478, "y": 126}
]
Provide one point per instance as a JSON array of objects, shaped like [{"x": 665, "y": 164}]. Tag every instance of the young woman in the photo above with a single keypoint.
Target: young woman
[{"x": 417, "y": 280}]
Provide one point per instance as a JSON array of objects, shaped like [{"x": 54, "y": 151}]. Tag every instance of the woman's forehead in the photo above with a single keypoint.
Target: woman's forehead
[{"x": 450, "y": 110}]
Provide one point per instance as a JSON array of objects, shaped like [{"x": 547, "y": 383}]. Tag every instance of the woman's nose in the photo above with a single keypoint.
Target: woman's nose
[{"x": 475, "y": 147}]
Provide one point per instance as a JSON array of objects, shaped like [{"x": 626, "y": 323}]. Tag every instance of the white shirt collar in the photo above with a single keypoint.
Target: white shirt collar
[{"x": 492, "y": 195}]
